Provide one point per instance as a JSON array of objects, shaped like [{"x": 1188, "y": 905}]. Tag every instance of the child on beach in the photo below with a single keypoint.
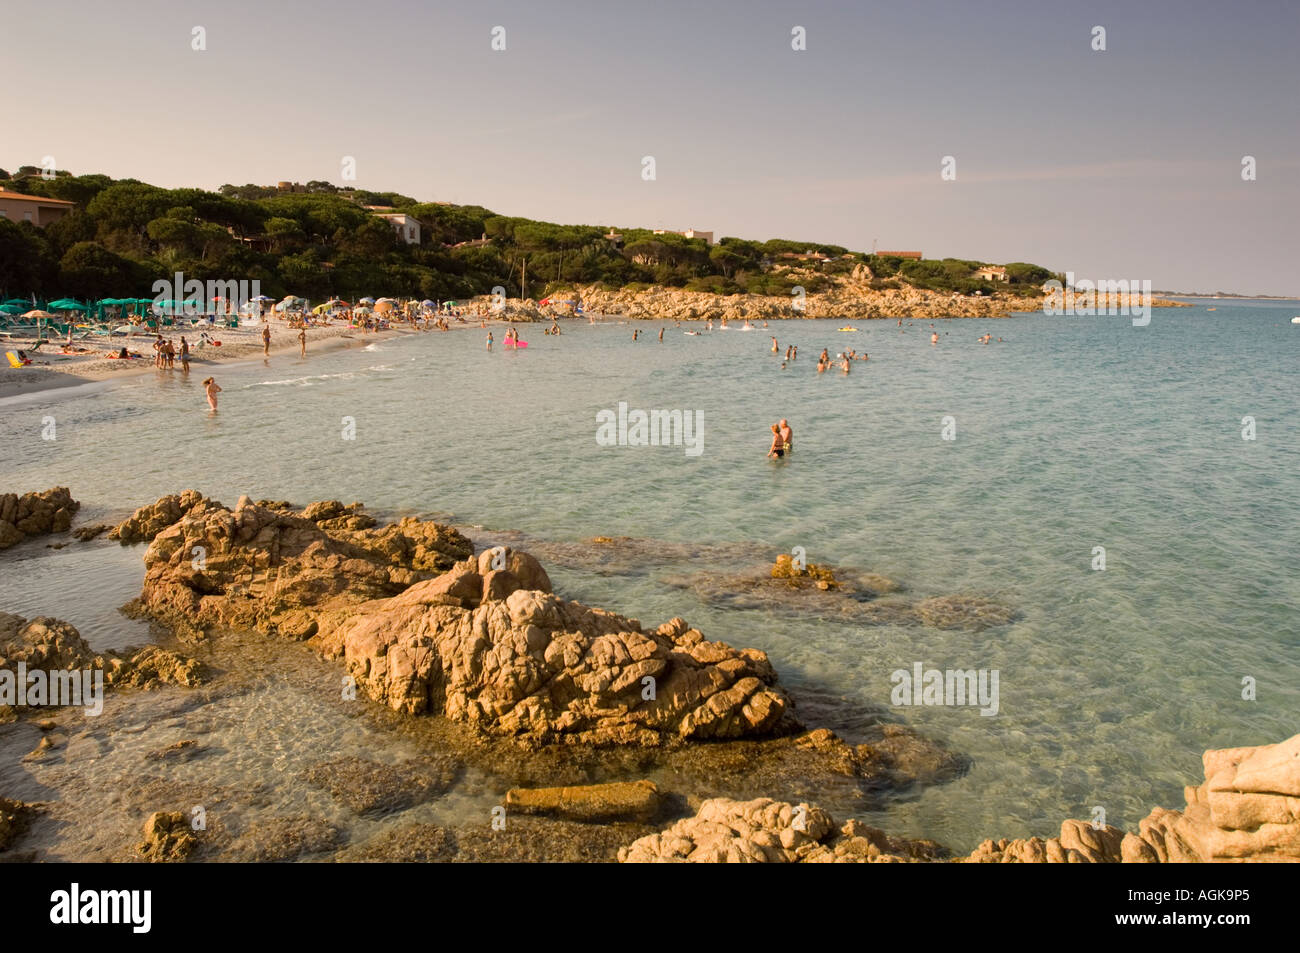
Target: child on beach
[
  {"x": 489, "y": 341},
  {"x": 212, "y": 390}
]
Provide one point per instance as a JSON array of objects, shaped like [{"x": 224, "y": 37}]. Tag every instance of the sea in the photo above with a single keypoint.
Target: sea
[{"x": 1132, "y": 492}]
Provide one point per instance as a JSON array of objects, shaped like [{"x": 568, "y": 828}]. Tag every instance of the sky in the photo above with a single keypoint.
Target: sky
[{"x": 1122, "y": 163}]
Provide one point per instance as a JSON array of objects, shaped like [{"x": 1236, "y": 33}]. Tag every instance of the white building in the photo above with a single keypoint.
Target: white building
[
  {"x": 689, "y": 233},
  {"x": 407, "y": 228},
  {"x": 992, "y": 273}
]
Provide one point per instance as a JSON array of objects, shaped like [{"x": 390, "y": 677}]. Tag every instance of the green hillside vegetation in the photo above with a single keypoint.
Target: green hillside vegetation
[{"x": 322, "y": 242}]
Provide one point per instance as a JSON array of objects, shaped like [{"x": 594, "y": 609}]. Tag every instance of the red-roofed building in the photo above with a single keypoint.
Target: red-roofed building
[{"x": 32, "y": 208}]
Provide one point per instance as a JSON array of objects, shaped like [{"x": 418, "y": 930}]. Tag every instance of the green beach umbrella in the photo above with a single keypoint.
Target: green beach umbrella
[{"x": 13, "y": 308}]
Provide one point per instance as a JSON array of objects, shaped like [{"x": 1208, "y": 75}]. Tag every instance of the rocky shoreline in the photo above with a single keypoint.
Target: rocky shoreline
[
  {"x": 607, "y": 739},
  {"x": 850, "y": 298}
]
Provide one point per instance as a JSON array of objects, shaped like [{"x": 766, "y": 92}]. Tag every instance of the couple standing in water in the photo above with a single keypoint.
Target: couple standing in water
[{"x": 782, "y": 439}]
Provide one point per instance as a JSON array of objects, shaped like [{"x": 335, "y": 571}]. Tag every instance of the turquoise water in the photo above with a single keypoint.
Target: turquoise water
[{"x": 1073, "y": 433}]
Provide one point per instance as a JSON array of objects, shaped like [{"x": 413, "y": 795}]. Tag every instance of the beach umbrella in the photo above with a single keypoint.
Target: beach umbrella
[
  {"x": 428, "y": 303},
  {"x": 68, "y": 304},
  {"x": 12, "y": 308},
  {"x": 365, "y": 300},
  {"x": 383, "y": 306},
  {"x": 38, "y": 314}
]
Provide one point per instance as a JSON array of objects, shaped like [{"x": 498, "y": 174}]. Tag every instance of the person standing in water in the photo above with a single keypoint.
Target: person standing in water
[
  {"x": 185, "y": 355},
  {"x": 661, "y": 335},
  {"x": 787, "y": 435},
  {"x": 212, "y": 390},
  {"x": 775, "y": 348},
  {"x": 489, "y": 341},
  {"x": 266, "y": 340},
  {"x": 826, "y": 356},
  {"x": 934, "y": 337},
  {"x": 777, "y": 449},
  {"x": 302, "y": 342}
]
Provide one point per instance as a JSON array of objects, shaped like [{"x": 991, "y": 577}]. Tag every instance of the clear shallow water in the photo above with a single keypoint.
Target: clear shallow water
[{"x": 1074, "y": 433}]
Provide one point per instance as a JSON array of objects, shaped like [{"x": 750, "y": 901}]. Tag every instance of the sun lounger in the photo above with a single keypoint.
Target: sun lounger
[{"x": 13, "y": 359}]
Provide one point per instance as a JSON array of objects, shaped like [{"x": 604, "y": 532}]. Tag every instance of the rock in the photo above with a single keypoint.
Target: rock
[
  {"x": 274, "y": 571},
  {"x": 15, "y": 816},
  {"x": 1247, "y": 810},
  {"x": 621, "y": 800},
  {"x": 540, "y": 669},
  {"x": 179, "y": 751},
  {"x": 51, "y": 645},
  {"x": 91, "y": 531},
  {"x": 35, "y": 514},
  {"x": 523, "y": 568},
  {"x": 768, "y": 831},
  {"x": 148, "y": 521},
  {"x": 167, "y": 838}
]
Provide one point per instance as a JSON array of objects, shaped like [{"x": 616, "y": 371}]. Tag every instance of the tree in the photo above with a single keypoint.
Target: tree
[{"x": 91, "y": 271}]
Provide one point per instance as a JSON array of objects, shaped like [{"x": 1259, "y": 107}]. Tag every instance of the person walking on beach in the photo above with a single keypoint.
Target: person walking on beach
[
  {"x": 777, "y": 449},
  {"x": 302, "y": 343},
  {"x": 266, "y": 340},
  {"x": 212, "y": 390},
  {"x": 185, "y": 355}
]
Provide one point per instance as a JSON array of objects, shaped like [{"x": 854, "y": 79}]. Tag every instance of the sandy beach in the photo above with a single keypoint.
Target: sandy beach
[{"x": 51, "y": 368}]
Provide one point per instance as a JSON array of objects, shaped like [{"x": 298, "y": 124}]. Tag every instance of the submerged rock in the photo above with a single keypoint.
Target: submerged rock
[
  {"x": 35, "y": 514},
  {"x": 15, "y": 816},
  {"x": 167, "y": 838},
  {"x": 368, "y": 787},
  {"x": 619, "y": 800},
  {"x": 843, "y": 594}
]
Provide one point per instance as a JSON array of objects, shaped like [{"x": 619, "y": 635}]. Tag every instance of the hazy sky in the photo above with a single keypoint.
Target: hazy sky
[{"x": 1117, "y": 164}]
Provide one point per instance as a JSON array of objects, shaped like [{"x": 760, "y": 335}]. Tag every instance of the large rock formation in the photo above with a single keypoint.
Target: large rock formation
[
  {"x": 35, "y": 514},
  {"x": 1248, "y": 809},
  {"x": 271, "y": 569},
  {"x": 48, "y": 645},
  {"x": 480, "y": 647},
  {"x": 764, "y": 831}
]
